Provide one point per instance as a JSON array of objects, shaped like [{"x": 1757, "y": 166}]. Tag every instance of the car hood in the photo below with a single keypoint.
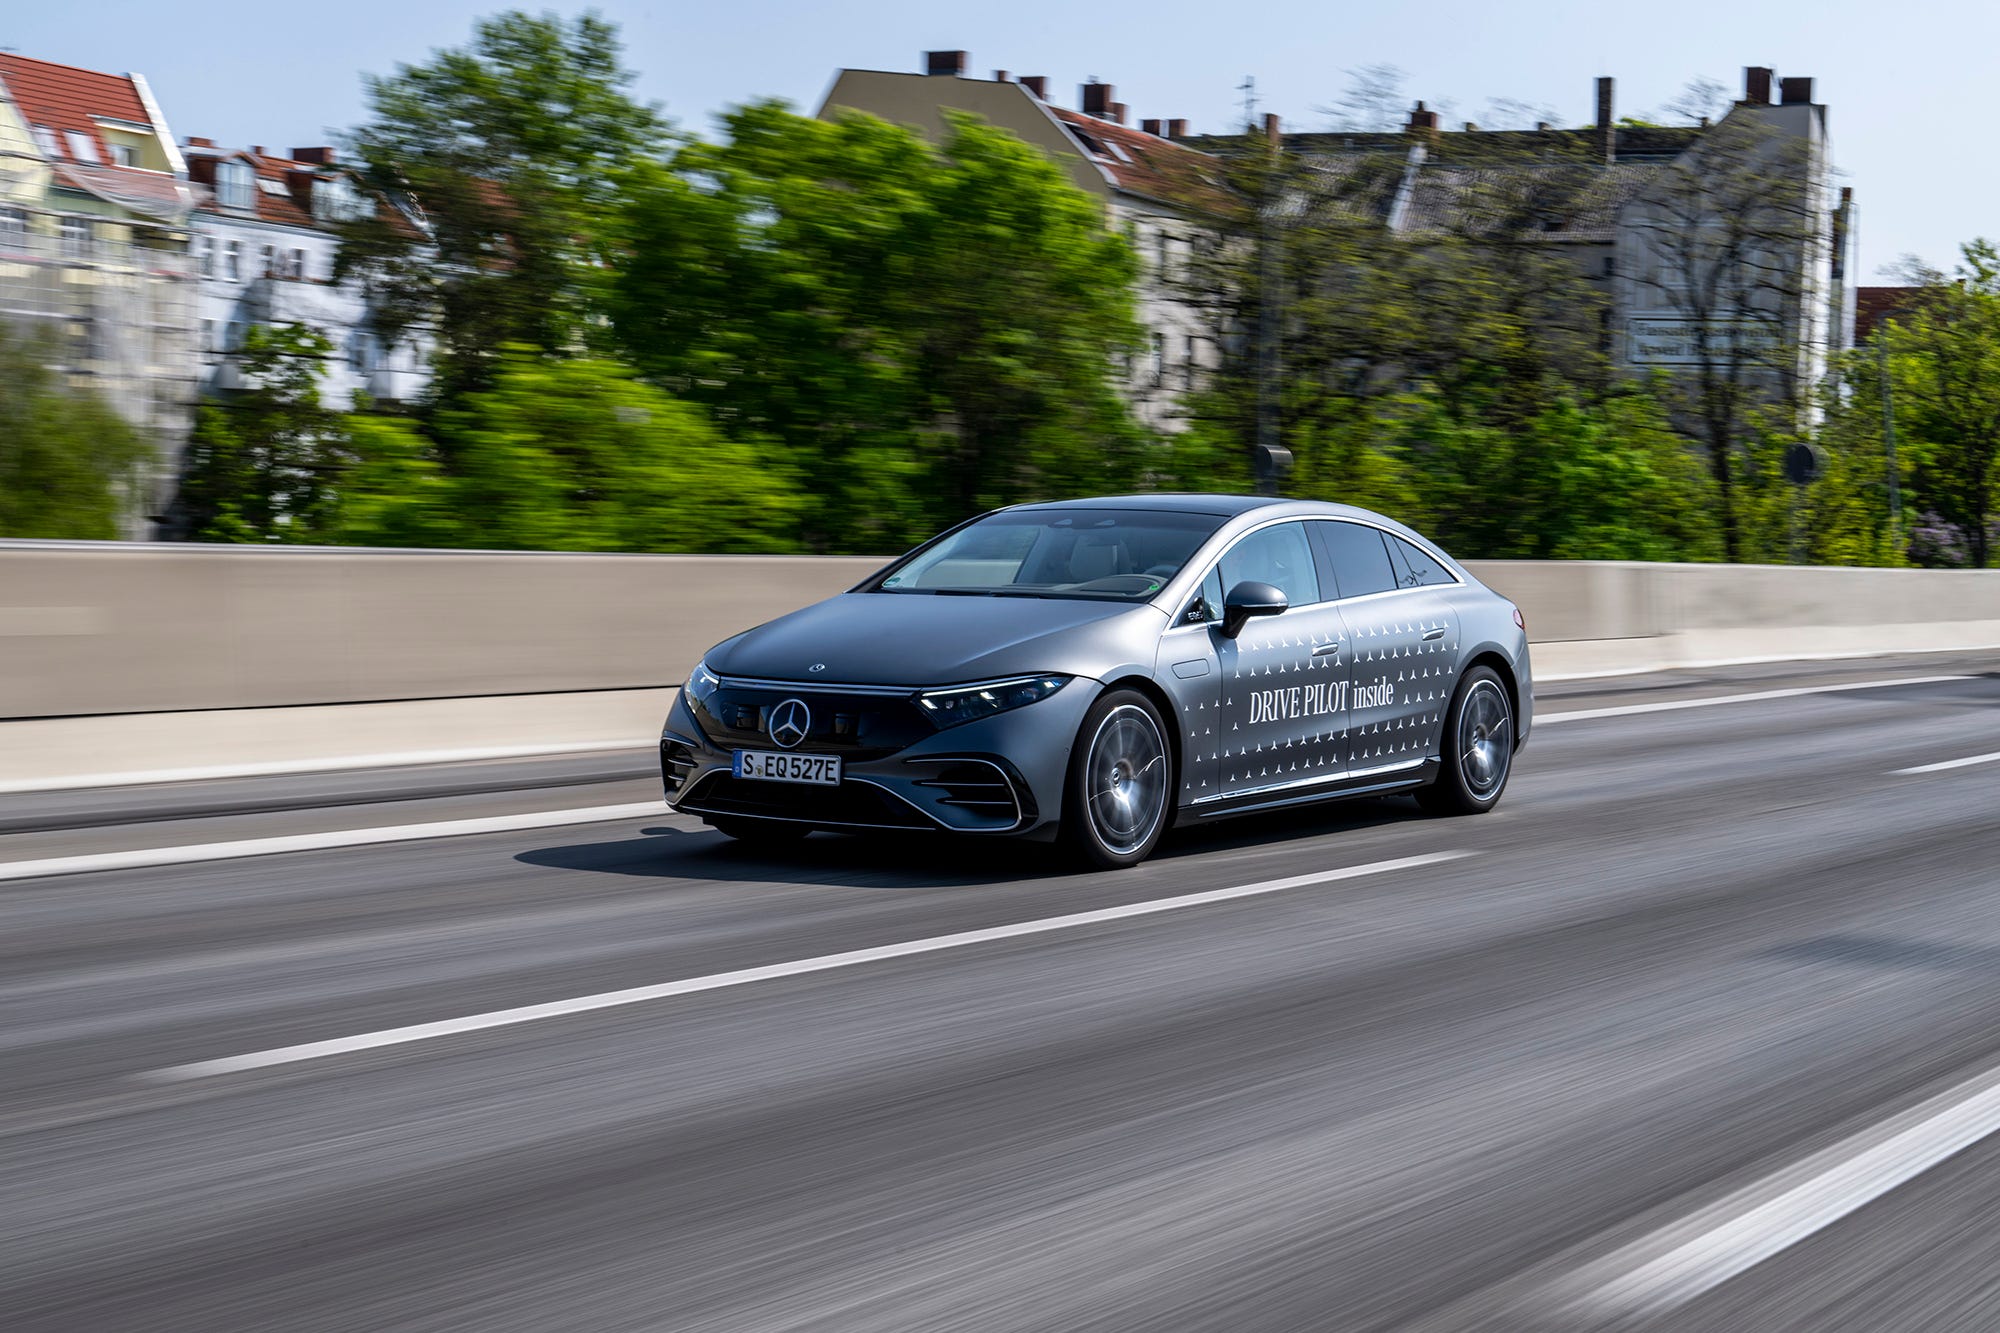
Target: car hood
[{"x": 921, "y": 639}]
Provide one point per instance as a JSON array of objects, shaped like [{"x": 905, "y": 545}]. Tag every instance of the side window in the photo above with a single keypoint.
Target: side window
[
  {"x": 1418, "y": 569},
  {"x": 1280, "y": 556},
  {"x": 1206, "y": 607},
  {"x": 1360, "y": 561}
]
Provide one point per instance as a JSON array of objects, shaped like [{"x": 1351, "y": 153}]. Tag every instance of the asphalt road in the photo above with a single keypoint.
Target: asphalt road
[{"x": 1701, "y": 963}]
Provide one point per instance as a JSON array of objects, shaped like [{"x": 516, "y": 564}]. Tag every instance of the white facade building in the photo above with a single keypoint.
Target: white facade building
[{"x": 264, "y": 243}]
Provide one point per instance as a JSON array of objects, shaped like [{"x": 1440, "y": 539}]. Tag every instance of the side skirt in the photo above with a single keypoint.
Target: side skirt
[{"x": 1408, "y": 780}]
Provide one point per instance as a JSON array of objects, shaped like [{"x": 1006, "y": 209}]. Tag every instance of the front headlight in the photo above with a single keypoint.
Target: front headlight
[
  {"x": 969, "y": 703},
  {"x": 701, "y": 682}
]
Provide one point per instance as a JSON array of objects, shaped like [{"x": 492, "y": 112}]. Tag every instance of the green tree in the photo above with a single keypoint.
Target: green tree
[
  {"x": 1944, "y": 363},
  {"x": 569, "y": 455},
  {"x": 70, "y": 467},
  {"x": 923, "y": 330},
  {"x": 265, "y": 465},
  {"x": 503, "y": 158}
]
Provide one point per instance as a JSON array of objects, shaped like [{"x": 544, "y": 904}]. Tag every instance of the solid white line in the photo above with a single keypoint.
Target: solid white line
[
  {"x": 318, "y": 1050},
  {"x": 1681, "y": 1262},
  {"x": 1711, "y": 663},
  {"x": 1951, "y": 763},
  {"x": 1675, "y": 705},
  {"x": 313, "y": 842},
  {"x": 274, "y": 768}
]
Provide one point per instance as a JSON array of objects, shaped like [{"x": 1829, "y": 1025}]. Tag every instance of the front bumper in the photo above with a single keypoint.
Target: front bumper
[{"x": 999, "y": 775}]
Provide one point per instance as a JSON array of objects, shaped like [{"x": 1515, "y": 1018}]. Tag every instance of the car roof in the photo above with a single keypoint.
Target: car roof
[{"x": 1227, "y": 506}]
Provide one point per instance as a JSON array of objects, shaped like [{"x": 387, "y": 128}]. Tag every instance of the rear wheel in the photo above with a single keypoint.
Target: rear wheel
[
  {"x": 1478, "y": 750},
  {"x": 750, "y": 829},
  {"x": 1121, "y": 782}
]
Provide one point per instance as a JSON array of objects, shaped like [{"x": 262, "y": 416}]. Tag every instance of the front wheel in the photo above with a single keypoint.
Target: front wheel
[
  {"x": 1121, "y": 782},
  {"x": 1478, "y": 750}
]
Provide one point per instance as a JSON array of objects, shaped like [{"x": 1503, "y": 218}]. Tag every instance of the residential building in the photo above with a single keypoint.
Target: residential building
[
  {"x": 1635, "y": 226},
  {"x": 265, "y": 240},
  {"x": 94, "y": 208},
  {"x": 1163, "y": 194}
]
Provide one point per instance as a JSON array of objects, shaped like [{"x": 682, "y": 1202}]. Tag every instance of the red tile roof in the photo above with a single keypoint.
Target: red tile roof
[
  {"x": 65, "y": 98},
  {"x": 1151, "y": 166},
  {"x": 293, "y": 208}
]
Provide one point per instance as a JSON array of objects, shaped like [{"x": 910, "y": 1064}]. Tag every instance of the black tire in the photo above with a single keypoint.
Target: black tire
[
  {"x": 750, "y": 829},
  {"x": 1477, "y": 749},
  {"x": 1116, "y": 820}
]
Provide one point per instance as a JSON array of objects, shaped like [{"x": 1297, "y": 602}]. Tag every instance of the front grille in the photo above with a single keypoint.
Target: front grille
[
  {"x": 857, "y": 726},
  {"x": 975, "y": 787},
  {"x": 851, "y": 803}
]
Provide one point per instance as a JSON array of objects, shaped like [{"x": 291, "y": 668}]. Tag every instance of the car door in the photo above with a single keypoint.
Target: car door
[
  {"x": 1402, "y": 644},
  {"x": 1281, "y": 719}
]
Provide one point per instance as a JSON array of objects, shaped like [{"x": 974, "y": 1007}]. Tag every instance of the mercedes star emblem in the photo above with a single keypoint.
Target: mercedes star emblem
[{"x": 790, "y": 721}]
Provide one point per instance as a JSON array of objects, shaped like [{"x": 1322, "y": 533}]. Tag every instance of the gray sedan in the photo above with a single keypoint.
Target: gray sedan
[{"x": 1096, "y": 671}]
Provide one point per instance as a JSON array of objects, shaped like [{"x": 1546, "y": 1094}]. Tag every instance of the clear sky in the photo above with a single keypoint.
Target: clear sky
[{"x": 1907, "y": 83}]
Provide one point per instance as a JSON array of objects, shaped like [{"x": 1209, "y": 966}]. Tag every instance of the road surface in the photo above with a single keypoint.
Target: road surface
[{"x": 1700, "y": 1030}]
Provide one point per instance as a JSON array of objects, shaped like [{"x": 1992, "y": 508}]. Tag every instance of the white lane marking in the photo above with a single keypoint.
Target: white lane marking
[
  {"x": 318, "y": 1050},
  {"x": 1680, "y": 1262},
  {"x": 1675, "y": 705},
  {"x": 282, "y": 767},
  {"x": 1712, "y": 663},
  {"x": 145, "y": 857},
  {"x": 1993, "y": 758}
]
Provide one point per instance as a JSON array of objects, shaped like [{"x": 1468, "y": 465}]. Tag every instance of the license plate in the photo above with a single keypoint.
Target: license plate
[{"x": 820, "y": 770}]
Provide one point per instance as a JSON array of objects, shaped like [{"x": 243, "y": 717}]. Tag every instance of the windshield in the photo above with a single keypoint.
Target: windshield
[{"x": 1116, "y": 554}]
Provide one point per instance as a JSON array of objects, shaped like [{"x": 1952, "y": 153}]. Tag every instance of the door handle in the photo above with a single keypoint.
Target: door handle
[
  {"x": 1327, "y": 649},
  {"x": 1437, "y": 633}
]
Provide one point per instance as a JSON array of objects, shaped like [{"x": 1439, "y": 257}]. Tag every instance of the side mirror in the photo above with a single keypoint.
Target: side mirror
[{"x": 1248, "y": 599}]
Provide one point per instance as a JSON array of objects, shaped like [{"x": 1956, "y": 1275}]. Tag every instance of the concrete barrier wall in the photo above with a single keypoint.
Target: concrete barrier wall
[{"x": 96, "y": 629}]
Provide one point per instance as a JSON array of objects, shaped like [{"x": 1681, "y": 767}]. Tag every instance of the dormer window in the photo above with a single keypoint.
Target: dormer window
[
  {"x": 234, "y": 186},
  {"x": 81, "y": 146},
  {"x": 334, "y": 199},
  {"x": 124, "y": 155},
  {"x": 45, "y": 139}
]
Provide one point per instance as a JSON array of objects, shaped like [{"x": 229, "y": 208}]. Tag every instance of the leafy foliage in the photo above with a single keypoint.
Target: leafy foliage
[
  {"x": 69, "y": 466},
  {"x": 924, "y": 330},
  {"x": 264, "y": 466},
  {"x": 503, "y": 158}
]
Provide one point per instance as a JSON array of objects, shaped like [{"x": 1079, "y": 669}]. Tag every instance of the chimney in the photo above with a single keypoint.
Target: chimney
[
  {"x": 1038, "y": 84},
  {"x": 999, "y": 76},
  {"x": 1151, "y": 127},
  {"x": 1543, "y": 127},
  {"x": 1422, "y": 119},
  {"x": 1471, "y": 128},
  {"x": 1607, "y": 129},
  {"x": 257, "y": 150},
  {"x": 1177, "y": 129},
  {"x": 1757, "y": 85},
  {"x": 1274, "y": 132},
  {"x": 1795, "y": 92},
  {"x": 945, "y": 62},
  {"x": 1097, "y": 100},
  {"x": 193, "y": 142},
  {"x": 1118, "y": 112},
  {"x": 319, "y": 157}
]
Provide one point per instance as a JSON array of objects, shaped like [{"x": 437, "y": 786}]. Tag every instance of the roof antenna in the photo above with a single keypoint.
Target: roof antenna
[{"x": 1249, "y": 90}]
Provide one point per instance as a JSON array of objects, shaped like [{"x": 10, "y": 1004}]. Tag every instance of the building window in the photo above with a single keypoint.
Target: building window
[
  {"x": 1193, "y": 360},
  {"x": 234, "y": 341},
  {"x": 298, "y": 265},
  {"x": 232, "y": 261},
  {"x": 204, "y": 256},
  {"x": 45, "y": 140},
  {"x": 1159, "y": 358},
  {"x": 1610, "y": 266},
  {"x": 234, "y": 186},
  {"x": 268, "y": 261},
  {"x": 75, "y": 237},
  {"x": 13, "y": 226},
  {"x": 360, "y": 352},
  {"x": 124, "y": 155},
  {"x": 1164, "y": 259},
  {"x": 208, "y": 336},
  {"x": 81, "y": 146}
]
